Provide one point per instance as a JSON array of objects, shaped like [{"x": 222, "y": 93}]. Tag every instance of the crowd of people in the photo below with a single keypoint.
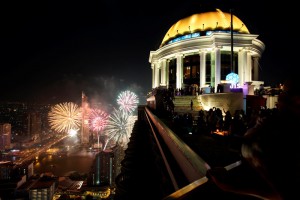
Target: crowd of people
[
  {"x": 271, "y": 146},
  {"x": 270, "y": 141}
]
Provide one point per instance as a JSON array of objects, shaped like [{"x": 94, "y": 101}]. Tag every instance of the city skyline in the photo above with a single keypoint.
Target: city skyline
[{"x": 52, "y": 51}]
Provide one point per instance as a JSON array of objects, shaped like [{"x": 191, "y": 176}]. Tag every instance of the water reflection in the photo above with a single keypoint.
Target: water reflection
[{"x": 62, "y": 164}]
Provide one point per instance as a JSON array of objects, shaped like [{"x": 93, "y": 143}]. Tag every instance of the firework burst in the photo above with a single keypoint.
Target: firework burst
[
  {"x": 98, "y": 120},
  {"x": 64, "y": 117},
  {"x": 127, "y": 101},
  {"x": 118, "y": 127}
]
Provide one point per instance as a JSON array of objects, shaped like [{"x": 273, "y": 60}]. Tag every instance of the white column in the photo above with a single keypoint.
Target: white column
[
  {"x": 242, "y": 66},
  {"x": 217, "y": 67},
  {"x": 167, "y": 73},
  {"x": 163, "y": 72},
  {"x": 156, "y": 69},
  {"x": 248, "y": 68},
  {"x": 179, "y": 71},
  {"x": 202, "y": 69},
  {"x": 255, "y": 69},
  {"x": 153, "y": 75}
]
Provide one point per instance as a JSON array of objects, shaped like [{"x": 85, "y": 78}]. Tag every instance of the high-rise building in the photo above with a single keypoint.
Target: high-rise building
[
  {"x": 5, "y": 136},
  {"x": 12, "y": 177},
  {"x": 43, "y": 189},
  {"x": 34, "y": 125},
  {"x": 6, "y": 170},
  {"x": 15, "y": 113},
  {"x": 119, "y": 153},
  {"x": 103, "y": 170},
  {"x": 85, "y": 133},
  {"x": 27, "y": 120}
]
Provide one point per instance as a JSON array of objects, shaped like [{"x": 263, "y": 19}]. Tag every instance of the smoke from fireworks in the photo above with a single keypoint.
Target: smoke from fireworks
[
  {"x": 98, "y": 120},
  {"x": 127, "y": 101},
  {"x": 64, "y": 117}
]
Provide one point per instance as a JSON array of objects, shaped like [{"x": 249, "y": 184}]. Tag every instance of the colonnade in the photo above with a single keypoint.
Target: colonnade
[{"x": 248, "y": 68}]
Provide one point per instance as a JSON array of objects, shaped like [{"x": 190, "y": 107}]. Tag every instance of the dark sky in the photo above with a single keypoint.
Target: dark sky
[{"x": 52, "y": 50}]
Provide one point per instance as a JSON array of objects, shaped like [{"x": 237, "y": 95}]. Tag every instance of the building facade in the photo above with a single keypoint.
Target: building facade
[
  {"x": 203, "y": 49},
  {"x": 85, "y": 133},
  {"x": 5, "y": 136},
  {"x": 103, "y": 170},
  {"x": 43, "y": 189}
]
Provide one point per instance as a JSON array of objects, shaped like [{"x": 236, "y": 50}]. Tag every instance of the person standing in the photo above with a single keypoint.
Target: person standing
[
  {"x": 270, "y": 150},
  {"x": 192, "y": 104},
  {"x": 272, "y": 146}
]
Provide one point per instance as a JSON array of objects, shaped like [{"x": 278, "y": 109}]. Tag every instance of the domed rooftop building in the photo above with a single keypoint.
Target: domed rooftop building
[{"x": 203, "y": 50}]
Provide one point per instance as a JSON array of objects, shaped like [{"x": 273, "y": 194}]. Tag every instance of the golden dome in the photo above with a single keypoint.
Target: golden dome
[{"x": 208, "y": 21}]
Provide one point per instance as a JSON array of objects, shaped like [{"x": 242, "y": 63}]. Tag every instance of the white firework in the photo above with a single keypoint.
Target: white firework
[
  {"x": 127, "y": 101},
  {"x": 119, "y": 128}
]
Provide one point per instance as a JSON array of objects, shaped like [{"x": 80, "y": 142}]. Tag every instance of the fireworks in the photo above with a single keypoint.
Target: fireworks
[
  {"x": 127, "y": 101},
  {"x": 120, "y": 122},
  {"x": 118, "y": 128},
  {"x": 64, "y": 117},
  {"x": 98, "y": 120}
]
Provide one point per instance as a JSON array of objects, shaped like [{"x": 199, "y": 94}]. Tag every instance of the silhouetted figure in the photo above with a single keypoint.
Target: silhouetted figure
[
  {"x": 219, "y": 119},
  {"x": 192, "y": 104},
  {"x": 271, "y": 149},
  {"x": 237, "y": 126},
  {"x": 220, "y": 88},
  {"x": 227, "y": 121},
  {"x": 202, "y": 126}
]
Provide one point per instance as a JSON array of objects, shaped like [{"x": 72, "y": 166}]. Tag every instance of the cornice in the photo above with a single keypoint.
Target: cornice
[{"x": 206, "y": 43}]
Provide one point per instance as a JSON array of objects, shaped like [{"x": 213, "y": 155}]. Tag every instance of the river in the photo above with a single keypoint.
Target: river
[{"x": 70, "y": 158}]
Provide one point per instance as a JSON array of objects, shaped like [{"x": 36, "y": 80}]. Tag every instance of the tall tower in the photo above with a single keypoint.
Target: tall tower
[
  {"x": 85, "y": 121},
  {"x": 34, "y": 125},
  {"x": 103, "y": 169},
  {"x": 5, "y": 136}
]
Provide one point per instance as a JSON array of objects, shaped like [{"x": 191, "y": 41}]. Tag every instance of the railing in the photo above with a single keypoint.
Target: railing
[{"x": 192, "y": 166}]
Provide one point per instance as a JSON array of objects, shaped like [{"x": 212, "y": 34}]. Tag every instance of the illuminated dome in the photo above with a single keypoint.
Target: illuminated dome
[{"x": 204, "y": 22}]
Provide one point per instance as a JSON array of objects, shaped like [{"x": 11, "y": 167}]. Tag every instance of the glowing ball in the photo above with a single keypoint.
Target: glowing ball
[{"x": 233, "y": 78}]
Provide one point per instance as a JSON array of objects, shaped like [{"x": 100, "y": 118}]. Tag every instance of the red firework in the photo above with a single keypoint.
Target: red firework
[{"x": 98, "y": 120}]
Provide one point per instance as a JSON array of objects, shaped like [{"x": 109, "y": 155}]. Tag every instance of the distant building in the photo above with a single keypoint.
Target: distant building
[
  {"x": 34, "y": 125},
  {"x": 85, "y": 133},
  {"x": 27, "y": 120},
  {"x": 13, "y": 177},
  {"x": 6, "y": 170},
  {"x": 43, "y": 189},
  {"x": 15, "y": 113},
  {"x": 103, "y": 170},
  {"x": 26, "y": 168},
  {"x": 119, "y": 154},
  {"x": 5, "y": 136}
]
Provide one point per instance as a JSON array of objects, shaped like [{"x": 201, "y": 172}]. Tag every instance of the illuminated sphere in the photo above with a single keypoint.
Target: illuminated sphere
[{"x": 233, "y": 78}]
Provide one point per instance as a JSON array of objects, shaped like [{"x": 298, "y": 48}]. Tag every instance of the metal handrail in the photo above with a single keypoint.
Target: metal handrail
[
  {"x": 171, "y": 174},
  {"x": 191, "y": 164}
]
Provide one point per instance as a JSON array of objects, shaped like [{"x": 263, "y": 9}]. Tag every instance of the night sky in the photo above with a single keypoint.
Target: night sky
[{"x": 51, "y": 51}]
